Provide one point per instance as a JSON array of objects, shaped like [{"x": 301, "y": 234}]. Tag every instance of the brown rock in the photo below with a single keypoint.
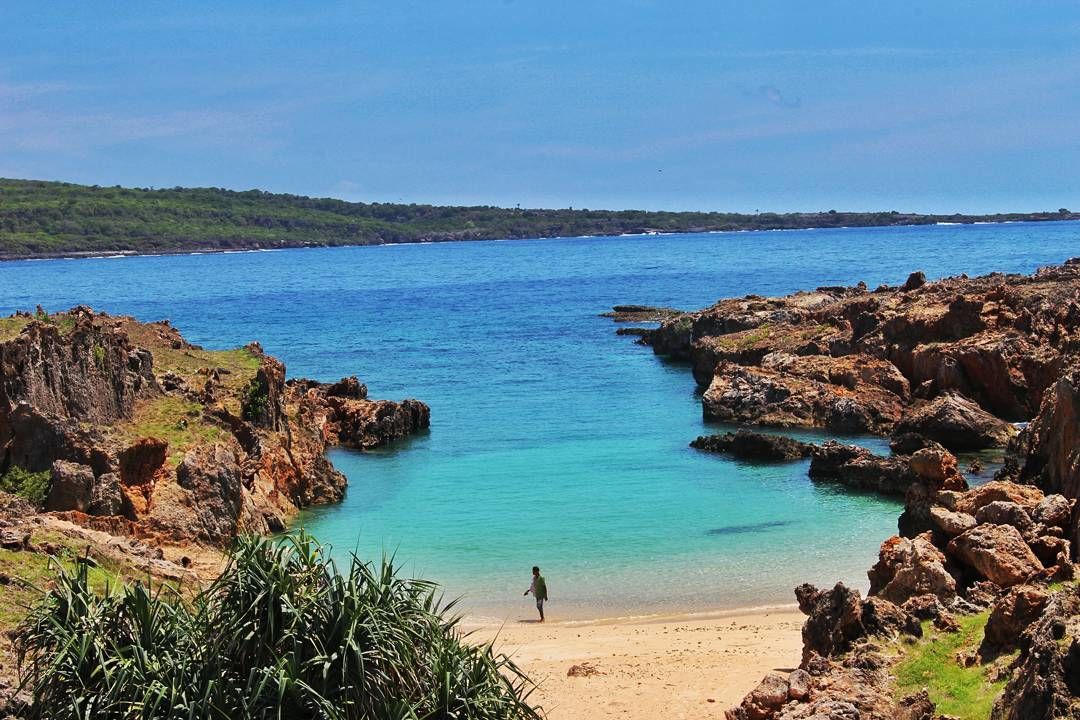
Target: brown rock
[
  {"x": 1054, "y": 510},
  {"x": 764, "y": 700},
  {"x": 71, "y": 487},
  {"x": 907, "y": 568},
  {"x": 1024, "y": 495},
  {"x": 1005, "y": 512},
  {"x": 141, "y": 461},
  {"x": 997, "y": 553},
  {"x": 957, "y": 423},
  {"x": 1012, "y": 614},
  {"x": 951, "y": 523},
  {"x": 799, "y": 682}
]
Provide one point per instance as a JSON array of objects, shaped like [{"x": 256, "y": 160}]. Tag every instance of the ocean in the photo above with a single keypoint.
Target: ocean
[{"x": 553, "y": 441}]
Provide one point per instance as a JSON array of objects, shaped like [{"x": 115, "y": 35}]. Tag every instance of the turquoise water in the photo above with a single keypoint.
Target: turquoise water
[{"x": 553, "y": 441}]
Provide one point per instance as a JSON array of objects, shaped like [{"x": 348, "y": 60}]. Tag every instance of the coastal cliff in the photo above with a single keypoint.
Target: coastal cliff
[{"x": 144, "y": 434}]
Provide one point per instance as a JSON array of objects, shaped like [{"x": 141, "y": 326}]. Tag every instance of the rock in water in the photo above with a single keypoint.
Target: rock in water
[
  {"x": 958, "y": 424},
  {"x": 750, "y": 445}
]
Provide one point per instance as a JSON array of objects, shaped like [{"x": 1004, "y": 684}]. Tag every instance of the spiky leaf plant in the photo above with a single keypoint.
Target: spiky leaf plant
[{"x": 282, "y": 633}]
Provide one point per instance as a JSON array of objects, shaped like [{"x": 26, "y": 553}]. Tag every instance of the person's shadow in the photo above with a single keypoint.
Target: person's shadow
[{"x": 529, "y": 621}]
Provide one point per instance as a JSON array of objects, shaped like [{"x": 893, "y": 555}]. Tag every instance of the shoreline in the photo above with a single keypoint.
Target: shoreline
[
  {"x": 114, "y": 254},
  {"x": 664, "y": 666},
  {"x": 476, "y": 621}
]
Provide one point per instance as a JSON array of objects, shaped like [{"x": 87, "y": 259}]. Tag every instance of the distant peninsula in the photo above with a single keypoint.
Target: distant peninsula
[{"x": 41, "y": 219}]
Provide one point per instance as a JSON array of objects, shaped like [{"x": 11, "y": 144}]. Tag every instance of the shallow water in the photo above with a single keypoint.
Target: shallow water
[{"x": 553, "y": 441}]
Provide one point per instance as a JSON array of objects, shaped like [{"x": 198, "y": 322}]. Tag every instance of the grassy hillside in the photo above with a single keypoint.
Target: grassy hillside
[{"x": 41, "y": 219}]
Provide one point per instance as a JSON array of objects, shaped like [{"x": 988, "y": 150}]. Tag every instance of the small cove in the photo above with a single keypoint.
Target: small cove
[{"x": 553, "y": 441}]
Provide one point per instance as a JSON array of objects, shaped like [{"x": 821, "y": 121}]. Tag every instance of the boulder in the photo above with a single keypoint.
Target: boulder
[
  {"x": 71, "y": 487},
  {"x": 907, "y": 568},
  {"x": 107, "y": 497},
  {"x": 1026, "y": 496},
  {"x": 764, "y": 700},
  {"x": 997, "y": 553},
  {"x": 951, "y": 523},
  {"x": 1013, "y": 613},
  {"x": 1054, "y": 510},
  {"x": 1005, "y": 512},
  {"x": 957, "y": 423},
  {"x": 749, "y": 445},
  {"x": 938, "y": 467},
  {"x": 915, "y": 281},
  {"x": 859, "y": 468},
  {"x": 799, "y": 682}
]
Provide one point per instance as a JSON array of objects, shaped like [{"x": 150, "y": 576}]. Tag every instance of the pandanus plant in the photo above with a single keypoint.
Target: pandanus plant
[{"x": 282, "y": 633}]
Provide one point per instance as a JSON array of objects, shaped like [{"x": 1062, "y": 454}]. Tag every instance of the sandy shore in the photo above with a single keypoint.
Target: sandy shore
[{"x": 689, "y": 667}]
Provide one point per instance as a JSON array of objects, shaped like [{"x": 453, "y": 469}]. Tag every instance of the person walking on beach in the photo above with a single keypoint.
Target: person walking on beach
[{"x": 539, "y": 591}]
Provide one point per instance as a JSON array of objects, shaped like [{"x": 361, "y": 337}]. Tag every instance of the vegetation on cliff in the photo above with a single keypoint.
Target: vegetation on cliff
[
  {"x": 39, "y": 218},
  {"x": 281, "y": 633}
]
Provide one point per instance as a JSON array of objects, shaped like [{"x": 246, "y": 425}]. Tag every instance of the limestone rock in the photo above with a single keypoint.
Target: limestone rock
[
  {"x": 107, "y": 497},
  {"x": 860, "y": 469},
  {"x": 1005, "y": 512},
  {"x": 957, "y": 423},
  {"x": 1012, "y": 614},
  {"x": 997, "y": 553},
  {"x": 71, "y": 487},
  {"x": 750, "y": 445},
  {"x": 951, "y": 523},
  {"x": 907, "y": 568},
  {"x": 1054, "y": 510},
  {"x": 1024, "y": 495}
]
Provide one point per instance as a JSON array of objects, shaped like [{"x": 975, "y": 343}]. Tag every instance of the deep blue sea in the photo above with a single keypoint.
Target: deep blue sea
[{"x": 553, "y": 441}]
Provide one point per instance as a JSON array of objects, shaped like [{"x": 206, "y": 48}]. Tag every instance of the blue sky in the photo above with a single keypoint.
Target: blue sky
[{"x": 930, "y": 106}]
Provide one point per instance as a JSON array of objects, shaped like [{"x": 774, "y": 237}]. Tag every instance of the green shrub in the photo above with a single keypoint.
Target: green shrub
[
  {"x": 281, "y": 634},
  {"x": 253, "y": 400},
  {"x": 32, "y": 486}
]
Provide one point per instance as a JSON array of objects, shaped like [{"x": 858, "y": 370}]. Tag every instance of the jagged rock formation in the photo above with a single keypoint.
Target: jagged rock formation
[
  {"x": 976, "y": 355},
  {"x": 147, "y": 435},
  {"x": 957, "y": 359},
  {"x": 754, "y": 446}
]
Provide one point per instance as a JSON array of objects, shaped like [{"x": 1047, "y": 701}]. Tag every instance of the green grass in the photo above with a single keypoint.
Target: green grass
[
  {"x": 931, "y": 663},
  {"x": 12, "y": 326},
  {"x": 747, "y": 338},
  {"x": 174, "y": 419},
  {"x": 31, "y": 572}
]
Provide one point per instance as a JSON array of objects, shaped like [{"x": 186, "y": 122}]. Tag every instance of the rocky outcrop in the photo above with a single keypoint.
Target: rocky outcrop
[
  {"x": 1051, "y": 444},
  {"x": 953, "y": 359},
  {"x": 1013, "y": 613},
  {"x": 1045, "y": 680},
  {"x": 975, "y": 355},
  {"x": 749, "y": 445},
  {"x": 997, "y": 553},
  {"x": 910, "y": 567},
  {"x": 146, "y": 434},
  {"x": 957, "y": 423},
  {"x": 839, "y": 617},
  {"x": 860, "y": 469}
]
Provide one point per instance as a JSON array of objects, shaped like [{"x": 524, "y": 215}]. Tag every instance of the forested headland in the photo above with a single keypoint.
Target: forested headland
[{"x": 54, "y": 219}]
